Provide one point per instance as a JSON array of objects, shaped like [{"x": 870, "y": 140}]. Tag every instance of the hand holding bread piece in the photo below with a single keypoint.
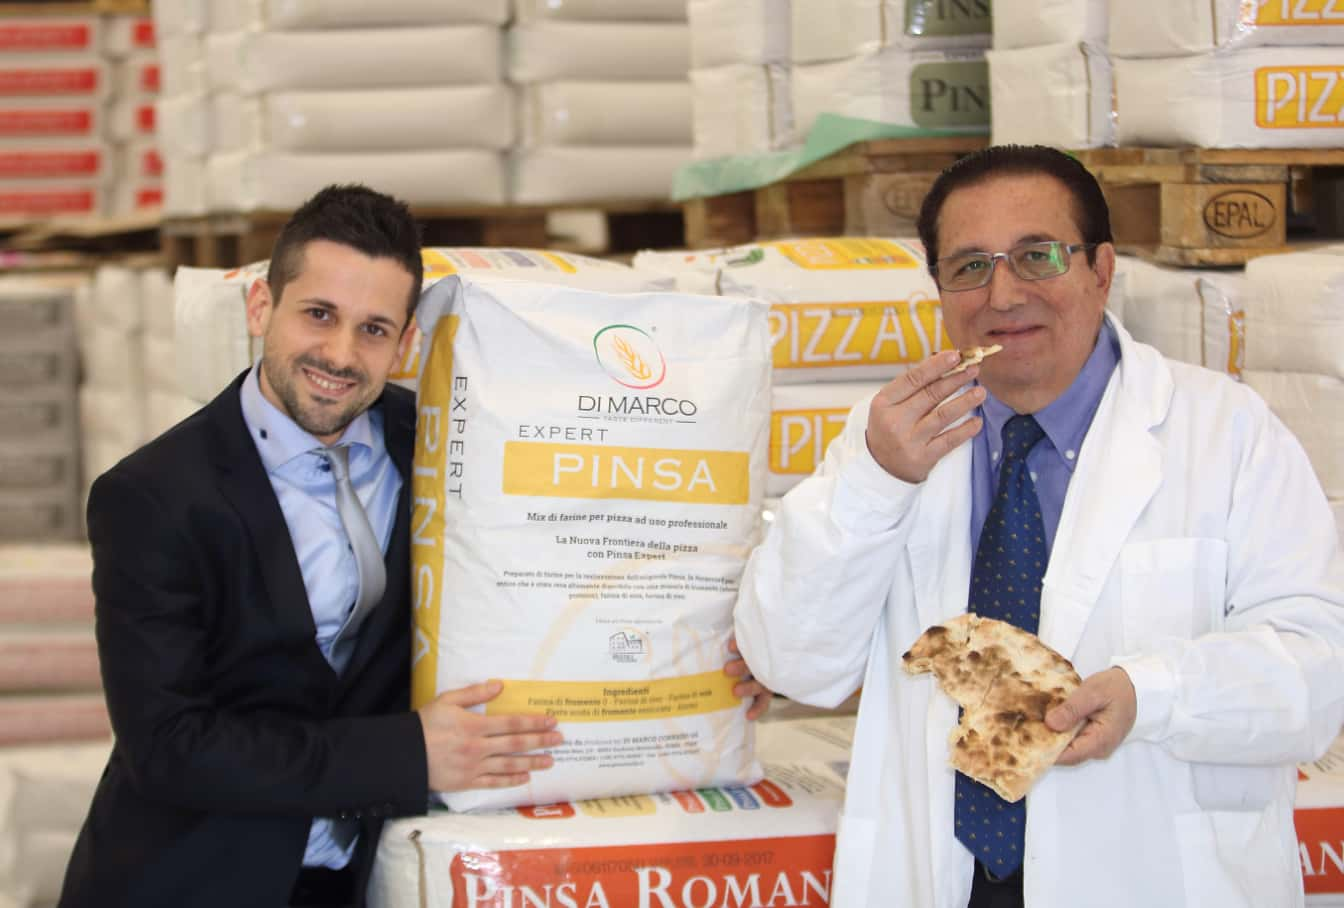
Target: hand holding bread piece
[
  {"x": 1005, "y": 680},
  {"x": 973, "y": 356}
]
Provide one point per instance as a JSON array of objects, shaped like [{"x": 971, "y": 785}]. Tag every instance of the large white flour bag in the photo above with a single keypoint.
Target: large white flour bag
[
  {"x": 842, "y": 308},
  {"x": 589, "y": 469}
]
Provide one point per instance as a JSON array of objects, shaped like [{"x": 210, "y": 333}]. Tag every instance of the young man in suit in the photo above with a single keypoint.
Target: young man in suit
[{"x": 254, "y": 642}]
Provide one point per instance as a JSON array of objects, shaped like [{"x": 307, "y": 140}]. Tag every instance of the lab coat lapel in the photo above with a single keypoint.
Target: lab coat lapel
[
  {"x": 1119, "y": 470},
  {"x": 939, "y": 547}
]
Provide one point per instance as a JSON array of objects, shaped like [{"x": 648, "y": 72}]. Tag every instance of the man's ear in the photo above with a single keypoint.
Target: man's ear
[
  {"x": 259, "y": 306},
  {"x": 1104, "y": 269}
]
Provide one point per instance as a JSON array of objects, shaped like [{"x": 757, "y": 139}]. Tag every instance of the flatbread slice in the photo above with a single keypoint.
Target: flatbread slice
[
  {"x": 972, "y": 356},
  {"x": 1005, "y": 680}
]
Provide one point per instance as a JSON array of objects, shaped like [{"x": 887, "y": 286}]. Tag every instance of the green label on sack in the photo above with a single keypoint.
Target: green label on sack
[
  {"x": 942, "y": 18},
  {"x": 950, "y": 95}
]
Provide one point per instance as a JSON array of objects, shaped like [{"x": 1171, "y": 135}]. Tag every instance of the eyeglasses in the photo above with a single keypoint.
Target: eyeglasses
[{"x": 1030, "y": 261}]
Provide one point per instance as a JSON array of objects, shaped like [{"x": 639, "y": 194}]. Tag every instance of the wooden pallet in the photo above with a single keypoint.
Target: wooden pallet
[
  {"x": 1215, "y": 207},
  {"x": 227, "y": 241},
  {"x": 75, "y": 8},
  {"x": 871, "y": 188},
  {"x": 95, "y": 238}
]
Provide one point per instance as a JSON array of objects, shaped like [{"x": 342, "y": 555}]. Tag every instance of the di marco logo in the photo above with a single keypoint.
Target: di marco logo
[{"x": 630, "y": 356}]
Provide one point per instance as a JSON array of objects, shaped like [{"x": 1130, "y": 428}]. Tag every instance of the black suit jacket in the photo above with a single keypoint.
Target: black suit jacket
[{"x": 232, "y": 731}]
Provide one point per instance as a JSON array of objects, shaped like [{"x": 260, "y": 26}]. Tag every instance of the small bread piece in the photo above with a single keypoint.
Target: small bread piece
[
  {"x": 1005, "y": 680},
  {"x": 973, "y": 356}
]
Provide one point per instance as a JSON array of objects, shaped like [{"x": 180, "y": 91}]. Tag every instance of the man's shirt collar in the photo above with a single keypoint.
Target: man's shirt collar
[
  {"x": 278, "y": 438},
  {"x": 1067, "y": 418}
]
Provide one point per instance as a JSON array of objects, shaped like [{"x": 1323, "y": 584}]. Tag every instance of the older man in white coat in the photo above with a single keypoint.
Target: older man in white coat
[{"x": 1188, "y": 566}]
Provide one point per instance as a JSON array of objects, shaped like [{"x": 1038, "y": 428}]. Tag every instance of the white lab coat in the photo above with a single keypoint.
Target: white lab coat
[{"x": 1195, "y": 548}]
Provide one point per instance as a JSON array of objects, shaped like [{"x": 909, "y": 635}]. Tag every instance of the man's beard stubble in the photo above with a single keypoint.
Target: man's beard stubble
[{"x": 283, "y": 378}]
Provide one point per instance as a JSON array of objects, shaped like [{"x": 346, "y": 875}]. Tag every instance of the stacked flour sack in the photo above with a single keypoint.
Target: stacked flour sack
[
  {"x": 132, "y": 50},
  {"x": 1229, "y": 73},
  {"x": 918, "y": 64},
  {"x": 632, "y": 478},
  {"x": 39, "y": 428},
  {"x": 847, "y": 315},
  {"x": 1294, "y": 353},
  {"x": 1050, "y": 74},
  {"x": 768, "y": 843},
  {"x": 1191, "y": 315},
  {"x": 605, "y": 102},
  {"x": 55, "y": 86},
  {"x": 405, "y": 95},
  {"x": 130, "y": 392},
  {"x": 741, "y": 100},
  {"x": 54, "y": 730}
]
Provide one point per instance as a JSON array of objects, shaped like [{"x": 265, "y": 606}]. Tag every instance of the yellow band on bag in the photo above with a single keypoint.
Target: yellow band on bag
[
  {"x": 617, "y": 701},
  {"x": 428, "y": 502},
  {"x": 641, "y": 474}
]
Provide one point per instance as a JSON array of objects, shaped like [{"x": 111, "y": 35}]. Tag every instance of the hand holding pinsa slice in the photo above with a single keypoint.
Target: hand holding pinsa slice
[{"x": 1005, "y": 680}]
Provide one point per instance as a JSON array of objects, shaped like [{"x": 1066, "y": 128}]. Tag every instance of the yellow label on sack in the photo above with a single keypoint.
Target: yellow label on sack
[
  {"x": 826, "y": 335},
  {"x": 559, "y": 263},
  {"x": 1236, "y": 347},
  {"x": 611, "y": 808},
  {"x": 641, "y": 474},
  {"x": 436, "y": 264},
  {"x": 432, "y": 464},
  {"x": 1299, "y": 97},
  {"x": 1298, "y": 12},
  {"x": 616, "y": 701},
  {"x": 846, "y": 253},
  {"x": 409, "y": 365},
  {"x": 440, "y": 263},
  {"x": 799, "y": 438}
]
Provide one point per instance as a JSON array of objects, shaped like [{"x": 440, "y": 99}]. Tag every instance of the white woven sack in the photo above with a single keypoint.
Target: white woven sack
[
  {"x": 741, "y": 109},
  {"x": 842, "y": 308},
  {"x": 632, "y": 478},
  {"x": 1032, "y": 23},
  {"x": 1162, "y": 28},
  {"x": 939, "y": 91},
  {"x": 839, "y": 29},
  {"x": 559, "y": 174},
  {"x": 210, "y": 334},
  {"x": 601, "y": 10},
  {"x": 606, "y": 113},
  {"x": 1189, "y": 315},
  {"x": 629, "y": 51},
  {"x": 724, "y": 32},
  {"x": 1294, "y": 318},
  {"x": 1059, "y": 95},
  {"x": 252, "y": 62},
  {"x": 324, "y": 14},
  {"x": 390, "y": 119},
  {"x": 276, "y": 180},
  {"x": 1260, "y": 97},
  {"x": 1309, "y": 406}
]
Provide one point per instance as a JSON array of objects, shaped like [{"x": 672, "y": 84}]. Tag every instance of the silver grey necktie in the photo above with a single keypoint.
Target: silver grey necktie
[{"x": 368, "y": 553}]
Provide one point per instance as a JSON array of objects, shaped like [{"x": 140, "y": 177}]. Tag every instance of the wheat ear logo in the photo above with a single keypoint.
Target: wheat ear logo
[{"x": 630, "y": 356}]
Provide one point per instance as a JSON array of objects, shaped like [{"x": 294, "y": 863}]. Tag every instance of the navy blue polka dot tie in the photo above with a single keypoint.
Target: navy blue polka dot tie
[{"x": 1005, "y": 584}]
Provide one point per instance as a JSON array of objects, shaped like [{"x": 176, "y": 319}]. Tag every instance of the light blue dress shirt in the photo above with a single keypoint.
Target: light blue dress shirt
[
  {"x": 301, "y": 478},
  {"x": 1052, "y": 461}
]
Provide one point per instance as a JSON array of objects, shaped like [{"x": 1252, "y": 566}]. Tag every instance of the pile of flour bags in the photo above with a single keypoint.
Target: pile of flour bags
[{"x": 598, "y": 447}]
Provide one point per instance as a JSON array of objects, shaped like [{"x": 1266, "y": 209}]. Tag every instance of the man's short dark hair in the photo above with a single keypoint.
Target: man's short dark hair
[
  {"x": 1090, "y": 211},
  {"x": 356, "y": 216}
]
